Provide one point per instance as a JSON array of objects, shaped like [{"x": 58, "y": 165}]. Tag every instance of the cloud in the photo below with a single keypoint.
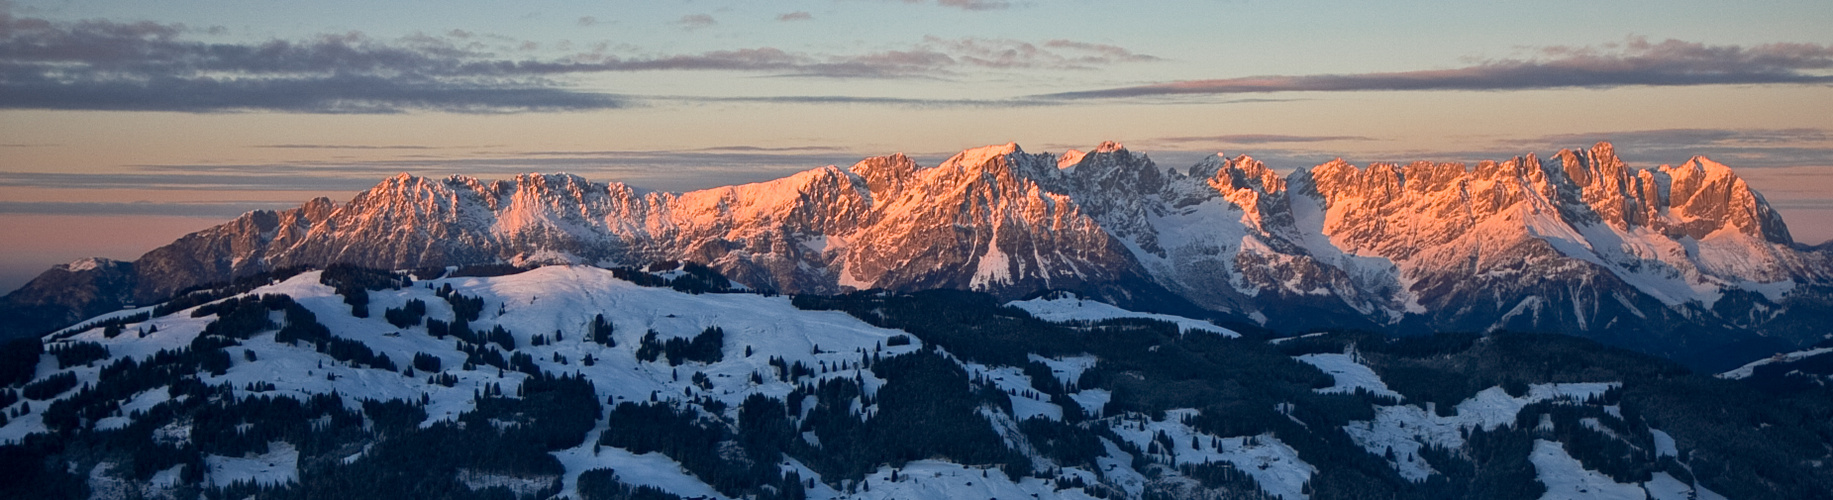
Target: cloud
[
  {"x": 970, "y": 4},
  {"x": 144, "y": 66},
  {"x": 1636, "y": 62},
  {"x": 1261, "y": 139},
  {"x": 332, "y": 94},
  {"x": 1013, "y": 54},
  {"x": 651, "y": 169},
  {"x": 770, "y": 149},
  {"x": 795, "y": 16},
  {"x": 219, "y": 210},
  {"x": 223, "y": 180},
  {"x": 1693, "y": 137},
  {"x": 696, "y": 21},
  {"x": 587, "y": 21},
  {"x": 869, "y": 100},
  {"x": 1736, "y": 147},
  {"x": 338, "y": 146},
  {"x": 932, "y": 56}
]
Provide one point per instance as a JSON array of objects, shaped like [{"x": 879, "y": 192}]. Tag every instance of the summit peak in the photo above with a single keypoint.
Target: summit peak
[
  {"x": 980, "y": 155},
  {"x": 1070, "y": 159}
]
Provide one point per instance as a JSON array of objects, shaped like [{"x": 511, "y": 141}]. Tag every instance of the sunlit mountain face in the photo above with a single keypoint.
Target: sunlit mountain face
[{"x": 1686, "y": 262}]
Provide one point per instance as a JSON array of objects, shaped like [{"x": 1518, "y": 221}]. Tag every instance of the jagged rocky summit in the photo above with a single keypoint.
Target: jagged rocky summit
[{"x": 1684, "y": 261}]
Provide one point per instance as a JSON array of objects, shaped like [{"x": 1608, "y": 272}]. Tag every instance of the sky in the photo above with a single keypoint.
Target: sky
[{"x": 126, "y": 124}]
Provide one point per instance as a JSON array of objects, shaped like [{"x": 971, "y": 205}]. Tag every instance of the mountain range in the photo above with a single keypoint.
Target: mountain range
[
  {"x": 1686, "y": 262},
  {"x": 1001, "y": 325}
]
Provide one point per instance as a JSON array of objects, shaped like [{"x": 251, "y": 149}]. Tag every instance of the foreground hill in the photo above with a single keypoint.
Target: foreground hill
[
  {"x": 1685, "y": 261},
  {"x": 584, "y": 382}
]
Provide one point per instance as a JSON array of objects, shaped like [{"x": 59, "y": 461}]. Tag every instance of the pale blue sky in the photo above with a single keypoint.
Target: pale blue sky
[{"x": 168, "y": 116}]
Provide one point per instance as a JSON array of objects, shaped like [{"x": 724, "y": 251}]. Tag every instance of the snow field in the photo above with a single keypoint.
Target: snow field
[
  {"x": 1027, "y": 401},
  {"x": 280, "y": 465},
  {"x": 1277, "y": 467},
  {"x": 1349, "y": 375},
  {"x": 1749, "y": 369},
  {"x": 1070, "y": 309},
  {"x": 1565, "y": 477},
  {"x": 1407, "y": 428}
]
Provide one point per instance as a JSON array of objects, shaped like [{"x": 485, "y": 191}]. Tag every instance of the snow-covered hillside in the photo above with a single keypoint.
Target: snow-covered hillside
[
  {"x": 577, "y": 382},
  {"x": 550, "y": 313},
  {"x": 1399, "y": 433}
]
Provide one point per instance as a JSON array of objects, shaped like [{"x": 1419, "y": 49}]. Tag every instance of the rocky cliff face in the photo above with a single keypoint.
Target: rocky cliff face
[
  {"x": 993, "y": 219},
  {"x": 1580, "y": 243}
]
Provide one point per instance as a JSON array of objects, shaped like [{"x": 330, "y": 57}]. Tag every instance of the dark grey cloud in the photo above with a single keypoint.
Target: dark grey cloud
[
  {"x": 795, "y": 16},
  {"x": 217, "y": 210},
  {"x": 1636, "y": 62},
  {"x": 144, "y": 66},
  {"x": 333, "y": 94},
  {"x": 1052, "y": 54},
  {"x": 933, "y": 57}
]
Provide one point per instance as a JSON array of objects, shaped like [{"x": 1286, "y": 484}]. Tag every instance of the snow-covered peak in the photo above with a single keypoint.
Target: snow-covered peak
[
  {"x": 87, "y": 263},
  {"x": 1702, "y": 167},
  {"x": 1070, "y": 159},
  {"x": 1109, "y": 147},
  {"x": 981, "y": 155},
  {"x": 1208, "y": 166},
  {"x": 884, "y": 174},
  {"x": 1705, "y": 196},
  {"x": 1245, "y": 172}
]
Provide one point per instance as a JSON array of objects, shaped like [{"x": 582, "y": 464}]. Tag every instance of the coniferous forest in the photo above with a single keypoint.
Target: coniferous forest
[{"x": 959, "y": 380}]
